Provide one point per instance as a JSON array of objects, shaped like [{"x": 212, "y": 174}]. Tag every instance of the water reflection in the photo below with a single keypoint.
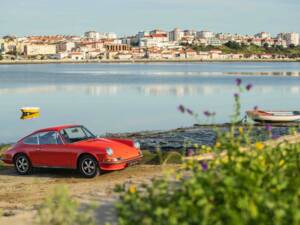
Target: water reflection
[
  {"x": 146, "y": 90},
  {"x": 147, "y": 95}
]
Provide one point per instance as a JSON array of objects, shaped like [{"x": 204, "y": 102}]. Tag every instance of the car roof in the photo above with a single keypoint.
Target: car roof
[{"x": 57, "y": 128}]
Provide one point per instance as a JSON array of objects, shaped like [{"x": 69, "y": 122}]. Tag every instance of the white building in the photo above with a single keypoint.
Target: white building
[
  {"x": 263, "y": 35},
  {"x": 39, "y": 49},
  {"x": 205, "y": 34},
  {"x": 214, "y": 42},
  {"x": 292, "y": 39},
  {"x": 77, "y": 56},
  {"x": 65, "y": 46},
  {"x": 92, "y": 35},
  {"x": 97, "y": 36},
  {"x": 175, "y": 35},
  {"x": 110, "y": 35}
]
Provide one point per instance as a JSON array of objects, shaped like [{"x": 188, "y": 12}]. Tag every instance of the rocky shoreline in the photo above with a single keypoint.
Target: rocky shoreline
[{"x": 181, "y": 138}]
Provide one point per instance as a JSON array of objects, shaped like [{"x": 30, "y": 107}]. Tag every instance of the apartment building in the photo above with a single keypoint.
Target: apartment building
[{"x": 39, "y": 49}]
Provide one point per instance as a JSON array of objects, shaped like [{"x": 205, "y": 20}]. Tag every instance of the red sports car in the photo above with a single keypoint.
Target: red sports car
[{"x": 73, "y": 147}]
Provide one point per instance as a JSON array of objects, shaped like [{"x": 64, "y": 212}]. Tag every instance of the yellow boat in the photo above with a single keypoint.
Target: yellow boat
[
  {"x": 29, "y": 116},
  {"x": 30, "y": 110}
]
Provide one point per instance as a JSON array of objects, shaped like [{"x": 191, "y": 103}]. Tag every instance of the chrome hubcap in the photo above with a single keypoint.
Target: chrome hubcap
[
  {"x": 22, "y": 164},
  {"x": 88, "y": 166}
]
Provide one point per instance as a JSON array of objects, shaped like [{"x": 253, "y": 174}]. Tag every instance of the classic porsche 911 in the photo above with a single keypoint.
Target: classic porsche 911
[{"x": 72, "y": 147}]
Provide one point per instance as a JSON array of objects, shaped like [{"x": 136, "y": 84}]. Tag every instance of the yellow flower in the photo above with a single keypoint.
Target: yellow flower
[
  {"x": 259, "y": 146},
  {"x": 281, "y": 162},
  {"x": 241, "y": 130},
  {"x": 132, "y": 189},
  {"x": 218, "y": 145}
]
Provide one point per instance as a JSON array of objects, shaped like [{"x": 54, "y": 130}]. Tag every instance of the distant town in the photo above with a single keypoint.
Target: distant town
[{"x": 151, "y": 45}]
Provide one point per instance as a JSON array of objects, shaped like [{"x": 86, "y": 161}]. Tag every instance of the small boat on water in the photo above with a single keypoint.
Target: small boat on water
[
  {"x": 29, "y": 116},
  {"x": 274, "y": 116},
  {"x": 30, "y": 110}
]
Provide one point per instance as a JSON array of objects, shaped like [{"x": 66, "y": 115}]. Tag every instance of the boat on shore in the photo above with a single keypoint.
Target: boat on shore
[
  {"x": 265, "y": 116},
  {"x": 30, "y": 110}
]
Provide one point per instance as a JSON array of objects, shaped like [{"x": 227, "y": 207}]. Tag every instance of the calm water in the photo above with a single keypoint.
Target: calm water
[{"x": 133, "y": 97}]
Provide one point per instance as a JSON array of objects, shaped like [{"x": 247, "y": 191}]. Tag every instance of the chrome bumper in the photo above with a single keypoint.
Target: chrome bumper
[{"x": 131, "y": 161}]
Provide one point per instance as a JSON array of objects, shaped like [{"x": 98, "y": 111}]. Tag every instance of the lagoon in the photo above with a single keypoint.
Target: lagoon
[{"x": 135, "y": 97}]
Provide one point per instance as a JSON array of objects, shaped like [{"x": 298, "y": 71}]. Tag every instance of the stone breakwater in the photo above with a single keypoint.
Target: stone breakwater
[{"x": 181, "y": 138}]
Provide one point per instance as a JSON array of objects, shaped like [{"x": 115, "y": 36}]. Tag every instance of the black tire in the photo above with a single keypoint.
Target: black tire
[
  {"x": 88, "y": 166},
  {"x": 23, "y": 165}
]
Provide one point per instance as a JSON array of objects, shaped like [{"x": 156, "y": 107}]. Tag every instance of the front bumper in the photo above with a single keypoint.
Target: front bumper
[{"x": 121, "y": 164}]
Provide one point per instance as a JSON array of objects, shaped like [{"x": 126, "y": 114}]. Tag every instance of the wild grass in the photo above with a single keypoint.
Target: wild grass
[{"x": 61, "y": 209}]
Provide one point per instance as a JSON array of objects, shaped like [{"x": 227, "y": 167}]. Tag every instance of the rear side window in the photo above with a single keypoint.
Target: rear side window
[
  {"x": 31, "y": 140},
  {"x": 49, "y": 138}
]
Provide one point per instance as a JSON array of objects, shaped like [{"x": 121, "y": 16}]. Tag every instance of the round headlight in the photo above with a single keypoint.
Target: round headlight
[
  {"x": 137, "y": 145},
  {"x": 109, "y": 151}
]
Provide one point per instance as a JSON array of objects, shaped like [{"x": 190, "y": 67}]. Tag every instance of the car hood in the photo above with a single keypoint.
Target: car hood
[{"x": 119, "y": 149}]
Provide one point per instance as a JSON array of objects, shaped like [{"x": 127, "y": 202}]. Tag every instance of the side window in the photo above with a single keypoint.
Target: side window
[
  {"x": 49, "y": 138},
  {"x": 75, "y": 133},
  {"x": 31, "y": 140}
]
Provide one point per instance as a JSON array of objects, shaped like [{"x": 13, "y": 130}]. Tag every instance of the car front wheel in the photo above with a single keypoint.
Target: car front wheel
[
  {"x": 23, "y": 165},
  {"x": 88, "y": 167}
]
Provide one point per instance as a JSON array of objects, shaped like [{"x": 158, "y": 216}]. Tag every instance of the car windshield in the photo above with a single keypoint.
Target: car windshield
[{"x": 75, "y": 134}]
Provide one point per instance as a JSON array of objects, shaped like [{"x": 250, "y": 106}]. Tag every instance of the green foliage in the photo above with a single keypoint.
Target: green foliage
[
  {"x": 246, "y": 188},
  {"x": 257, "y": 185},
  {"x": 159, "y": 157},
  {"x": 3, "y": 148},
  {"x": 61, "y": 209},
  {"x": 233, "y": 47}
]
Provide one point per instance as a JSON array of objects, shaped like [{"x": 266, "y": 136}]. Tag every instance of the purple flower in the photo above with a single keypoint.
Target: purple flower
[
  {"x": 181, "y": 108},
  {"x": 249, "y": 87},
  {"x": 204, "y": 166},
  {"x": 190, "y": 152},
  {"x": 236, "y": 95},
  {"x": 238, "y": 81},
  {"x": 268, "y": 127},
  {"x": 189, "y": 111},
  {"x": 206, "y": 113}
]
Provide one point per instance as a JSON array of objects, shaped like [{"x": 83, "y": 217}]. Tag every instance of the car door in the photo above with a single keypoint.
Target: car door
[
  {"x": 54, "y": 153},
  {"x": 30, "y": 145}
]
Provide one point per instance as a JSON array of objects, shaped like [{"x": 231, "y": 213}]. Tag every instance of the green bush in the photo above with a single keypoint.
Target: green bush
[
  {"x": 254, "y": 187},
  {"x": 3, "y": 148},
  {"x": 252, "y": 184},
  {"x": 159, "y": 157},
  {"x": 61, "y": 209}
]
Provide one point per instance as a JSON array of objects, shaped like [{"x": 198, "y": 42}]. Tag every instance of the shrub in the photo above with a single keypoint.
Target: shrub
[
  {"x": 61, "y": 209},
  {"x": 252, "y": 187},
  {"x": 247, "y": 183}
]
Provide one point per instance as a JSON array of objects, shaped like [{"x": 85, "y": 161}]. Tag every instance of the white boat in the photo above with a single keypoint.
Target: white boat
[{"x": 274, "y": 116}]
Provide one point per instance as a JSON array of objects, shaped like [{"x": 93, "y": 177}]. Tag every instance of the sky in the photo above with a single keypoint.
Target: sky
[{"x": 126, "y": 17}]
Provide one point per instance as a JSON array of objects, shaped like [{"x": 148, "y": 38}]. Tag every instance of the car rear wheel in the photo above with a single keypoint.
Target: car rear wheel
[
  {"x": 88, "y": 167},
  {"x": 23, "y": 165}
]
